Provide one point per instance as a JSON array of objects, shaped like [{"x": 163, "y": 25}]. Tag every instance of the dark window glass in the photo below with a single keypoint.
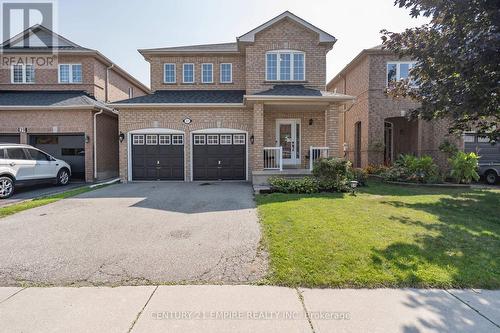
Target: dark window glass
[
  {"x": 2, "y": 153},
  {"x": 38, "y": 155},
  {"x": 72, "y": 152},
  {"x": 17, "y": 154},
  {"x": 47, "y": 140}
]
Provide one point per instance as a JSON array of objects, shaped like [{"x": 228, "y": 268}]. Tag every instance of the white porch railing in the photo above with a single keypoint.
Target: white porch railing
[
  {"x": 273, "y": 158},
  {"x": 316, "y": 153}
]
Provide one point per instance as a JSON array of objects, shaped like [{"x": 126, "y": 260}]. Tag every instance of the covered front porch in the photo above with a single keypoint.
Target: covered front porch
[{"x": 290, "y": 133}]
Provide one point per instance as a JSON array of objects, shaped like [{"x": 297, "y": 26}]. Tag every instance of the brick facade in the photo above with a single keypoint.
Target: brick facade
[{"x": 365, "y": 78}]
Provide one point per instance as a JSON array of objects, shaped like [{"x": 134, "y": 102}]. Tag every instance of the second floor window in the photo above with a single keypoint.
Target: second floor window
[
  {"x": 70, "y": 73},
  {"x": 207, "y": 73},
  {"x": 226, "y": 73},
  {"x": 285, "y": 66},
  {"x": 188, "y": 73},
  {"x": 398, "y": 71},
  {"x": 23, "y": 74},
  {"x": 169, "y": 73}
]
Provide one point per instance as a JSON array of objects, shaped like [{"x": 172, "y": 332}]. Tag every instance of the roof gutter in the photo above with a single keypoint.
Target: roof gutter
[
  {"x": 279, "y": 98},
  {"x": 52, "y": 107}
]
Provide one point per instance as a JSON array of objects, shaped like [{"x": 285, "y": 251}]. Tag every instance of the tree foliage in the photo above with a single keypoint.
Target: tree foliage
[{"x": 458, "y": 63}]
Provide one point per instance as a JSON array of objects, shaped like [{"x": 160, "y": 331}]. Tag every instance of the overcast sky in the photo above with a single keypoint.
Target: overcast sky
[{"x": 118, "y": 28}]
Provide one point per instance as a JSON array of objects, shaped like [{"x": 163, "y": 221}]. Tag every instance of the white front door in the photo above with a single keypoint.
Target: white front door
[{"x": 288, "y": 137}]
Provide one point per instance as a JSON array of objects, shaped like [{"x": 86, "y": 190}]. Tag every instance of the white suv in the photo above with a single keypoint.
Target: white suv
[{"x": 24, "y": 164}]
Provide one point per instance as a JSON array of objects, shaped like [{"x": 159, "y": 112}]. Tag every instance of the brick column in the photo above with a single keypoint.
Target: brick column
[
  {"x": 258, "y": 134},
  {"x": 332, "y": 130}
]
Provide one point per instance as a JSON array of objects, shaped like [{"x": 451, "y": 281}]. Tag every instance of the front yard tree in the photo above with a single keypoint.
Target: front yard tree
[{"x": 458, "y": 63}]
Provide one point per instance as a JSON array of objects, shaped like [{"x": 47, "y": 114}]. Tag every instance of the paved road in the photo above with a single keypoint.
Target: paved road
[
  {"x": 137, "y": 233},
  {"x": 36, "y": 191},
  {"x": 253, "y": 309}
]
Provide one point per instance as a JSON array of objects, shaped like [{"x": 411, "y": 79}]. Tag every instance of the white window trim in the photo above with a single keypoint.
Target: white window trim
[
  {"x": 201, "y": 72},
  {"x": 70, "y": 74},
  {"x": 213, "y": 135},
  {"x": 398, "y": 70},
  {"x": 23, "y": 75},
  {"x": 184, "y": 76},
  {"x": 226, "y": 135},
  {"x": 177, "y": 144},
  {"x": 141, "y": 136},
  {"x": 167, "y": 136},
  {"x": 230, "y": 72},
  {"x": 197, "y": 136},
  {"x": 151, "y": 144},
  {"x": 239, "y": 136},
  {"x": 165, "y": 71},
  {"x": 292, "y": 67}
]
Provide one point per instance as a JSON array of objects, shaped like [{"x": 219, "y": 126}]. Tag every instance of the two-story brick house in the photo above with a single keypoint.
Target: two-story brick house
[
  {"x": 234, "y": 111},
  {"x": 53, "y": 95},
  {"x": 375, "y": 128}
]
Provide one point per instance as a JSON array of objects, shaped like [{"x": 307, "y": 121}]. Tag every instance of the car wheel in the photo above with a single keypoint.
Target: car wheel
[
  {"x": 491, "y": 177},
  {"x": 6, "y": 187},
  {"x": 63, "y": 177}
]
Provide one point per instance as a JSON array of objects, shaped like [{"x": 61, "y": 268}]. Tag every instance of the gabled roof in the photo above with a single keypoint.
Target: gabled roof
[
  {"x": 43, "y": 40},
  {"x": 324, "y": 37},
  {"x": 67, "y": 99},
  {"x": 212, "y": 48},
  {"x": 188, "y": 97},
  {"x": 39, "y": 37},
  {"x": 298, "y": 92}
]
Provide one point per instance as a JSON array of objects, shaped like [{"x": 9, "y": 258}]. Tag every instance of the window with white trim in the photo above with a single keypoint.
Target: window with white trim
[
  {"x": 137, "y": 139},
  {"x": 188, "y": 73},
  {"x": 226, "y": 73},
  {"x": 164, "y": 139},
  {"x": 169, "y": 73},
  {"x": 212, "y": 139},
  {"x": 23, "y": 74},
  {"x": 151, "y": 139},
  {"x": 207, "y": 73},
  {"x": 199, "y": 139},
  {"x": 239, "y": 139},
  {"x": 285, "y": 66},
  {"x": 397, "y": 71},
  {"x": 70, "y": 73},
  {"x": 226, "y": 139},
  {"x": 177, "y": 139}
]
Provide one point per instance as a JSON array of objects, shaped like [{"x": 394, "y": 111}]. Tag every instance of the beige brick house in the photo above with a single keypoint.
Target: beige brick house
[
  {"x": 53, "y": 95},
  {"x": 234, "y": 111},
  {"x": 375, "y": 129}
]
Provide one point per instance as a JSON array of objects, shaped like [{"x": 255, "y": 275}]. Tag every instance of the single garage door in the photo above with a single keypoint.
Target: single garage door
[
  {"x": 9, "y": 138},
  {"x": 157, "y": 157},
  {"x": 488, "y": 152},
  {"x": 219, "y": 156},
  {"x": 67, "y": 147}
]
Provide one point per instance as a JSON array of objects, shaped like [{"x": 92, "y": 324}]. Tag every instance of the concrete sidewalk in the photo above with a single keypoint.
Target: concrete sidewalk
[{"x": 226, "y": 308}]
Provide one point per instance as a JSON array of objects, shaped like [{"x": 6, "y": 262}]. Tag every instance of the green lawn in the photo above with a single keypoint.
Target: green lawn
[
  {"x": 387, "y": 235},
  {"x": 16, "y": 208}
]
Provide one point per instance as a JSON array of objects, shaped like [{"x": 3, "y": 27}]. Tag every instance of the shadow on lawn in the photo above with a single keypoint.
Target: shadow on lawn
[{"x": 463, "y": 246}]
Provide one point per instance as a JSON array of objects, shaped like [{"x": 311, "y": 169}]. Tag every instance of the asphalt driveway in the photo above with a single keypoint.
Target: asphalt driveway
[{"x": 136, "y": 233}]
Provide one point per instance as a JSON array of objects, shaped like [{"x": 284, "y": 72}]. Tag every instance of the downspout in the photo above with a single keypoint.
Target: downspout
[
  {"x": 107, "y": 83},
  {"x": 95, "y": 142}
]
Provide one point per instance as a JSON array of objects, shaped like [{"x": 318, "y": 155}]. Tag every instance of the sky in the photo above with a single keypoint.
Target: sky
[{"x": 118, "y": 28}]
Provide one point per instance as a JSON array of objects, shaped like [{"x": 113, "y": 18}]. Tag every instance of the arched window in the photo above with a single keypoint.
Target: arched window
[{"x": 285, "y": 65}]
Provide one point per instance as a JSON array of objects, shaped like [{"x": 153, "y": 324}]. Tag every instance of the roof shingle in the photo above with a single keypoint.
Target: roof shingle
[
  {"x": 188, "y": 96},
  {"x": 48, "y": 98}
]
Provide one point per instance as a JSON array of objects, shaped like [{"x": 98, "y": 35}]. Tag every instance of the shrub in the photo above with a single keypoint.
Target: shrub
[
  {"x": 376, "y": 169},
  {"x": 448, "y": 148},
  {"x": 413, "y": 169},
  {"x": 464, "y": 167},
  {"x": 333, "y": 174},
  {"x": 294, "y": 185},
  {"x": 360, "y": 175}
]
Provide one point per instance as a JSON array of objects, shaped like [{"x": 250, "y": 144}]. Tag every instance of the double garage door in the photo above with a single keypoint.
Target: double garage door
[{"x": 214, "y": 156}]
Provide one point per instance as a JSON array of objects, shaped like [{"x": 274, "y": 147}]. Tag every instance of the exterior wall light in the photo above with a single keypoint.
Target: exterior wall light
[
  {"x": 252, "y": 139},
  {"x": 121, "y": 137},
  {"x": 354, "y": 184},
  {"x": 310, "y": 122},
  {"x": 87, "y": 139}
]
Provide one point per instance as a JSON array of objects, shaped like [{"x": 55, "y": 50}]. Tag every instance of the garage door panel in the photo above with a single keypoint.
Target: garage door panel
[
  {"x": 219, "y": 161},
  {"x": 10, "y": 138},
  {"x": 155, "y": 161}
]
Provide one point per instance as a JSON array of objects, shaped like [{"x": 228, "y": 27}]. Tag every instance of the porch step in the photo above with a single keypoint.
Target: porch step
[{"x": 261, "y": 189}]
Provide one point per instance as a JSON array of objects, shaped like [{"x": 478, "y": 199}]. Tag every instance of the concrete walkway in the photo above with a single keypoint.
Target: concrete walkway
[{"x": 238, "y": 308}]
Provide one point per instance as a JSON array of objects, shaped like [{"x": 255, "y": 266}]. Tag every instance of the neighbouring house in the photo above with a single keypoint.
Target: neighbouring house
[
  {"x": 375, "y": 129},
  {"x": 53, "y": 95},
  {"x": 234, "y": 111}
]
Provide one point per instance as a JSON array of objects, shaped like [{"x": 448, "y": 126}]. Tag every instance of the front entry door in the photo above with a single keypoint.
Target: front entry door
[{"x": 288, "y": 137}]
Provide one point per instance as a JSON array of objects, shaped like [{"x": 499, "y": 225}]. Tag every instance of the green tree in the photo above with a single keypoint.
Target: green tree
[{"x": 458, "y": 63}]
